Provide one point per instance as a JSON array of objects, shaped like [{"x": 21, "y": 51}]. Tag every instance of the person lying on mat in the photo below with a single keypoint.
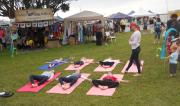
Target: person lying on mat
[
  {"x": 45, "y": 76},
  {"x": 54, "y": 63},
  {"x": 108, "y": 63},
  {"x": 78, "y": 64},
  {"x": 108, "y": 81},
  {"x": 68, "y": 81}
]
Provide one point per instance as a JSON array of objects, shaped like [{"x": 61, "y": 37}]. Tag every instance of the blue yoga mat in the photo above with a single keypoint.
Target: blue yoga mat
[{"x": 46, "y": 66}]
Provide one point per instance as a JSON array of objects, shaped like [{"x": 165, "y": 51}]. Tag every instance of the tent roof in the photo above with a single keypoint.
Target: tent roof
[
  {"x": 58, "y": 18},
  {"x": 85, "y": 16},
  {"x": 118, "y": 16},
  {"x": 141, "y": 13}
]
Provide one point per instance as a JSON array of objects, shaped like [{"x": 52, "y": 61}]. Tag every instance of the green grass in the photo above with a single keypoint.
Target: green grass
[{"x": 153, "y": 88}]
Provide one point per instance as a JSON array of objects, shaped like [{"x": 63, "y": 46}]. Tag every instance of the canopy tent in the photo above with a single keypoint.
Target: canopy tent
[
  {"x": 80, "y": 17},
  {"x": 85, "y": 16},
  {"x": 118, "y": 16},
  {"x": 4, "y": 23},
  {"x": 141, "y": 13}
]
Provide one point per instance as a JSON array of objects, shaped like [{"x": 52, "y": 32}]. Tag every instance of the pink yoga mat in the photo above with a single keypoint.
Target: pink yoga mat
[
  {"x": 28, "y": 87},
  {"x": 102, "y": 69},
  {"x": 108, "y": 92},
  {"x": 87, "y": 62},
  {"x": 59, "y": 90},
  {"x": 133, "y": 68}
]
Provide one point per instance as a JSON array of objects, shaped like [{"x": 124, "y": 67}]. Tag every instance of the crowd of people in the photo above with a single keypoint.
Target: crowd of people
[{"x": 29, "y": 37}]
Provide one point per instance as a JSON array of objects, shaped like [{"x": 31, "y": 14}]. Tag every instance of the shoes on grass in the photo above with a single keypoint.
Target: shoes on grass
[{"x": 6, "y": 94}]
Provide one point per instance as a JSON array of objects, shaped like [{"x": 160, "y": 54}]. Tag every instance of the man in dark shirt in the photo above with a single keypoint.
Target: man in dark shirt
[{"x": 173, "y": 23}]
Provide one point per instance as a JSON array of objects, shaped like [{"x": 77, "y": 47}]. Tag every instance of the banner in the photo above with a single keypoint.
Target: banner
[{"x": 33, "y": 15}]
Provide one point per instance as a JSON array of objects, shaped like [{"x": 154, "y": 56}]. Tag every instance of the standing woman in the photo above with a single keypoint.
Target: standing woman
[
  {"x": 99, "y": 35},
  {"x": 157, "y": 28},
  {"x": 134, "y": 41}
]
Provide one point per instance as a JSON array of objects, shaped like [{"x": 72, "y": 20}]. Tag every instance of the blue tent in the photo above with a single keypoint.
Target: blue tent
[{"x": 118, "y": 16}]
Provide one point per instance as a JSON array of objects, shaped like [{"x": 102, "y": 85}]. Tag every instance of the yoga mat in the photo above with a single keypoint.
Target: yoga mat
[
  {"x": 28, "y": 87},
  {"x": 108, "y": 92},
  {"x": 59, "y": 90},
  {"x": 71, "y": 67},
  {"x": 45, "y": 67},
  {"x": 133, "y": 68},
  {"x": 102, "y": 69}
]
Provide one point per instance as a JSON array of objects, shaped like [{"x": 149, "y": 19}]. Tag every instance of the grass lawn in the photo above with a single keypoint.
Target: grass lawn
[{"x": 153, "y": 88}]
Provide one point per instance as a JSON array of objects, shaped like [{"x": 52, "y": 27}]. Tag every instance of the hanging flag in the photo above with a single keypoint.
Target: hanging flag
[
  {"x": 34, "y": 24},
  {"x": 28, "y": 25},
  {"x": 40, "y": 24},
  {"x": 45, "y": 23},
  {"x": 22, "y": 25},
  {"x": 17, "y": 25}
]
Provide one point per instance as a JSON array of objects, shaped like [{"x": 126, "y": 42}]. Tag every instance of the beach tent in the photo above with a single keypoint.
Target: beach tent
[{"x": 118, "y": 16}]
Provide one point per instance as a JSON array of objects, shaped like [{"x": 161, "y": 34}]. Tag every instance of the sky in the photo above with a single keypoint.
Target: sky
[{"x": 108, "y": 7}]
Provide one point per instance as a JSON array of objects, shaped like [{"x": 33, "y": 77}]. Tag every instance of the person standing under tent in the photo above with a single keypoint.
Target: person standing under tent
[
  {"x": 134, "y": 41},
  {"x": 151, "y": 22},
  {"x": 145, "y": 22},
  {"x": 157, "y": 29},
  {"x": 123, "y": 25},
  {"x": 99, "y": 34}
]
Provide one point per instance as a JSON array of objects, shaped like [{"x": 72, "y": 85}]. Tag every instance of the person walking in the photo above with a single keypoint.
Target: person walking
[{"x": 134, "y": 41}]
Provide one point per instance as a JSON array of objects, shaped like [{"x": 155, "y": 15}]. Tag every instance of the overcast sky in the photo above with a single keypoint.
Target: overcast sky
[{"x": 108, "y": 7}]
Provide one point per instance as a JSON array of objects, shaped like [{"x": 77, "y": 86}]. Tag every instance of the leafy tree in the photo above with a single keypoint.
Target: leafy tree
[{"x": 8, "y": 7}]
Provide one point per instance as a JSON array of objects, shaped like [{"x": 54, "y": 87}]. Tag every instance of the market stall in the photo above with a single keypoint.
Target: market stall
[
  {"x": 73, "y": 24},
  {"x": 39, "y": 26}
]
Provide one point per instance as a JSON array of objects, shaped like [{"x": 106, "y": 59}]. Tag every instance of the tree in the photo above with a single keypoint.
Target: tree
[{"x": 8, "y": 7}]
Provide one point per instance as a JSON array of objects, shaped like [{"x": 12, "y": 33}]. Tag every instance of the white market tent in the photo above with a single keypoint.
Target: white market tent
[
  {"x": 85, "y": 16},
  {"x": 142, "y": 13},
  {"x": 81, "y": 17}
]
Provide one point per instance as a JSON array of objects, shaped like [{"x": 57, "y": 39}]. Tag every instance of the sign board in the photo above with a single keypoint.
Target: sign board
[{"x": 33, "y": 15}]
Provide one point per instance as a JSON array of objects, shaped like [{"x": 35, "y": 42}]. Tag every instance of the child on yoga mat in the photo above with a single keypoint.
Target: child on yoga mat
[
  {"x": 173, "y": 60},
  {"x": 68, "y": 81},
  {"x": 108, "y": 81},
  {"x": 45, "y": 76}
]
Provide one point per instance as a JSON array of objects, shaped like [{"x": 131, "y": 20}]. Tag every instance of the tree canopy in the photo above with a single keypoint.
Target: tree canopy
[{"x": 8, "y": 7}]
